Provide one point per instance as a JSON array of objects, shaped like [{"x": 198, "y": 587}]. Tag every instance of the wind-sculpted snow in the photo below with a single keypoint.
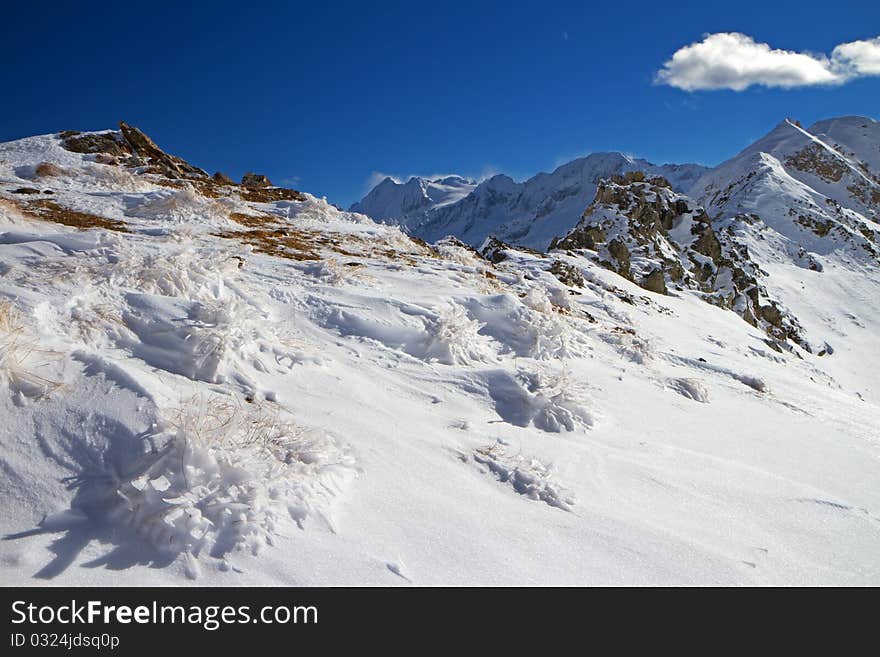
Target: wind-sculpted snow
[
  {"x": 222, "y": 477},
  {"x": 200, "y": 382},
  {"x": 528, "y": 477}
]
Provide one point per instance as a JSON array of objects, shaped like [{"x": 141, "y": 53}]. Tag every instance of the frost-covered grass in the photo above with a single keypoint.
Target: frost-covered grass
[
  {"x": 527, "y": 476},
  {"x": 224, "y": 475},
  {"x": 21, "y": 358}
]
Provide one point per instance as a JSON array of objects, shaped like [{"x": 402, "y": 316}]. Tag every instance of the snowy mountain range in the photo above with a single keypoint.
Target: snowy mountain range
[
  {"x": 835, "y": 159},
  {"x": 393, "y": 201},
  {"x": 529, "y": 213},
  {"x": 238, "y": 383}
]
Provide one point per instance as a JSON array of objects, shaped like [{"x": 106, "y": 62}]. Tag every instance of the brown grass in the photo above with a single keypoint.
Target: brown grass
[
  {"x": 47, "y": 210},
  {"x": 254, "y": 220},
  {"x": 282, "y": 243},
  {"x": 269, "y": 194},
  {"x": 48, "y": 170},
  {"x": 17, "y": 354},
  {"x": 277, "y": 237}
]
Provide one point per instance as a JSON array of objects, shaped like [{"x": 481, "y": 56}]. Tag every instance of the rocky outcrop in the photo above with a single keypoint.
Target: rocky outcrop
[
  {"x": 109, "y": 143},
  {"x": 255, "y": 180},
  {"x": 157, "y": 160},
  {"x": 133, "y": 149},
  {"x": 641, "y": 229},
  {"x": 567, "y": 274},
  {"x": 494, "y": 250}
]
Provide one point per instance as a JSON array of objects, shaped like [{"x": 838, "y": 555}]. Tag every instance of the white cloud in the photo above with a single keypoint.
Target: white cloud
[
  {"x": 730, "y": 60},
  {"x": 860, "y": 57}
]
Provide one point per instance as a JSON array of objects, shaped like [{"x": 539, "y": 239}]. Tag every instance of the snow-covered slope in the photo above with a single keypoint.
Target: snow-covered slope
[
  {"x": 399, "y": 203},
  {"x": 818, "y": 192},
  {"x": 529, "y": 213},
  {"x": 206, "y": 382}
]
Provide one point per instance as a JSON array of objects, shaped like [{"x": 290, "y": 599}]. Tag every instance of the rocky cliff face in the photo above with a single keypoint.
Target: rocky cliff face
[{"x": 666, "y": 243}]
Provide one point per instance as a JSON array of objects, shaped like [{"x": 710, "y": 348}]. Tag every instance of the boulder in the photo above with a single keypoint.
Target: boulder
[
  {"x": 255, "y": 180},
  {"x": 655, "y": 282}
]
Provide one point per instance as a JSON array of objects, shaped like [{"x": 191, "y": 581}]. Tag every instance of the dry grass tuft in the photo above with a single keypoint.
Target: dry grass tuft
[
  {"x": 49, "y": 170},
  {"x": 17, "y": 354},
  {"x": 229, "y": 422},
  {"x": 11, "y": 210}
]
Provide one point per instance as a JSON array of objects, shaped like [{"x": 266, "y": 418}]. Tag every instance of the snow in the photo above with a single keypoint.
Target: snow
[
  {"x": 397, "y": 202},
  {"x": 179, "y": 407}
]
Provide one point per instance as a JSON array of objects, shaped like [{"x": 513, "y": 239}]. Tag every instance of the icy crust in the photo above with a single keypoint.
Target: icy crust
[{"x": 203, "y": 378}]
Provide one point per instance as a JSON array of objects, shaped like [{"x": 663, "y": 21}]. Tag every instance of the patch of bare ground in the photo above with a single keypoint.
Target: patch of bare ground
[
  {"x": 268, "y": 194},
  {"x": 278, "y": 242},
  {"x": 47, "y": 210},
  {"x": 206, "y": 187},
  {"x": 254, "y": 220},
  {"x": 818, "y": 161},
  {"x": 267, "y": 234}
]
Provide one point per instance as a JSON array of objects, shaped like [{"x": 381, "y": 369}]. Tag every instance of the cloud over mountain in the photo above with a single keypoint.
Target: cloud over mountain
[{"x": 732, "y": 60}]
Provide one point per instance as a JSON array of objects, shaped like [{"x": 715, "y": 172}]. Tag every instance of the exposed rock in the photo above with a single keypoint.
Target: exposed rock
[
  {"x": 494, "y": 250},
  {"x": 131, "y": 148},
  {"x": 269, "y": 194},
  {"x": 157, "y": 159},
  {"x": 588, "y": 238},
  {"x": 772, "y": 314},
  {"x": 111, "y": 143},
  {"x": 567, "y": 274},
  {"x": 817, "y": 160},
  {"x": 655, "y": 282},
  {"x": 222, "y": 179},
  {"x": 106, "y": 158},
  {"x": 656, "y": 238},
  {"x": 707, "y": 243},
  {"x": 617, "y": 249},
  {"x": 255, "y": 180}
]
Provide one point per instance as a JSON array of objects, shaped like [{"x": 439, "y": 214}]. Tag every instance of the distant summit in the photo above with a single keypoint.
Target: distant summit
[
  {"x": 394, "y": 202},
  {"x": 529, "y": 213}
]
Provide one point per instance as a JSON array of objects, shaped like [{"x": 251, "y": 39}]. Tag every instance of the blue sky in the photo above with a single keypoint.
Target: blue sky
[{"x": 323, "y": 96}]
